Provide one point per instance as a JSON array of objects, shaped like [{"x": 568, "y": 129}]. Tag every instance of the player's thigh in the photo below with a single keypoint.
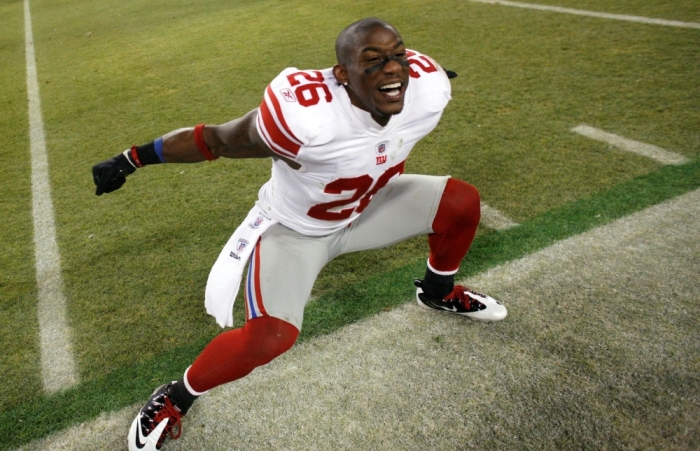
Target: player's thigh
[
  {"x": 403, "y": 209},
  {"x": 282, "y": 272}
]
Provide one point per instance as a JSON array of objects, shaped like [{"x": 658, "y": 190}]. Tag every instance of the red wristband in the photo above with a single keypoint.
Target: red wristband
[
  {"x": 201, "y": 144},
  {"x": 135, "y": 156}
]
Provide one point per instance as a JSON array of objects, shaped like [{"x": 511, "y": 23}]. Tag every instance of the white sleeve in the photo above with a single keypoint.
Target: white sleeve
[
  {"x": 433, "y": 89},
  {"x": 296, "y": 111}
]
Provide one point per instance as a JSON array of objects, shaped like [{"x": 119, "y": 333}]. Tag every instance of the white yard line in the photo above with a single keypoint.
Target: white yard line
[
  {"x": 57, "y": 361},
  {"x": 494, "y": 219},
  {"x": 579, "y": 12},
  {"x": 663, "y": 156}
]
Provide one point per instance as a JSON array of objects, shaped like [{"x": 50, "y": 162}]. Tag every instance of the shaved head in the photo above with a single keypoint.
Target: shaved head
[
  {"x": 373, "y": 67},
  {"x": 348, "y": 41}
]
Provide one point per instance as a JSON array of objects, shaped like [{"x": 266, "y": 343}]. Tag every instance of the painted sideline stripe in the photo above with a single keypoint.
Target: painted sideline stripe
[
  {"x": 647, "y": 150},
  {"x": 494, "y": 219},
  {"x": 57, "y": 361},
  {"x": 580, "y": 12}
]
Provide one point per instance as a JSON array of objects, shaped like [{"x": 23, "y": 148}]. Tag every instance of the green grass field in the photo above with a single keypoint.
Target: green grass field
[{"x": 135, "y": 263}]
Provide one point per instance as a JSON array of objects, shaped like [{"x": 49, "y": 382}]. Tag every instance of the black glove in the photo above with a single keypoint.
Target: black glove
[
  {"x": 451, "y": 73},
  {"x": 110, "y": 175}
]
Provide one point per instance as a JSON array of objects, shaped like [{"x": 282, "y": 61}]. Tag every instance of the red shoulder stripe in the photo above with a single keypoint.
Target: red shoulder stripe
[{"x": 276, "y": 132}]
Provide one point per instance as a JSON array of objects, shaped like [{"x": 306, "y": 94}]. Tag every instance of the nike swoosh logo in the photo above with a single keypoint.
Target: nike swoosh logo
[
  {"x": 152, "y": 438},
  {"x": 436, "y": 305}
]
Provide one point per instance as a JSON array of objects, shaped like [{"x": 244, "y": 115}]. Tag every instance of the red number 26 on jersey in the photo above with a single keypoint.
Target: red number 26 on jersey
[
  {"x": 308, "y": 93},
  {"x": 360, "y": 186}
]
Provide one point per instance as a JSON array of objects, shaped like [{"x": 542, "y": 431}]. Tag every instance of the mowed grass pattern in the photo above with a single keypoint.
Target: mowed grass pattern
[
  {"x": 135, "y": 262},
  {"x": 18, "y": 293}
]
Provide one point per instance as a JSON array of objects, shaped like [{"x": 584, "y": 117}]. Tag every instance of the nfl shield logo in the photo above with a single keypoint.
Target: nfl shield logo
[
  {"x": 255, "y": 224},
  {"x": 381, "y": 147},
  {"x": 241, "y": 245}
]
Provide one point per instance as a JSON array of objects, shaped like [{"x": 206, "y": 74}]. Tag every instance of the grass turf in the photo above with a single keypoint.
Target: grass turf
[
  {"x": 117, "y": 73},
  {"x": 348, "y": 304}
]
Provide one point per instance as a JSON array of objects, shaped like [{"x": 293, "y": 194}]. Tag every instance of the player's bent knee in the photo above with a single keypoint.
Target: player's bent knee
[
  {"x": 269, "y": 337},
  {"x": 464, "y": 197},
  {"x": 460, "y": 205}
]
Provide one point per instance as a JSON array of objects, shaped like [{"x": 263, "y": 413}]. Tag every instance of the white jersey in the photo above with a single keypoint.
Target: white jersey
[{"x": 345, "y": 156}]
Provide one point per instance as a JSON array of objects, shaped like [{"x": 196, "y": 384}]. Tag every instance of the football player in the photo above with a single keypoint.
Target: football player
[{"x": 338, "y": 139}]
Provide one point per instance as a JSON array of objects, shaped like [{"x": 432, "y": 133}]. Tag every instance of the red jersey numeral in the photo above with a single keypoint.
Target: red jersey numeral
[
  {"x": 358, "y": 184},
  {"x": 381, "y": 183},
  {"x": 308, "y": 93},
  {"x": 422, "y": 62},
  {"x": 361, "y": 186},
  {"x": 313, "y": 76}
]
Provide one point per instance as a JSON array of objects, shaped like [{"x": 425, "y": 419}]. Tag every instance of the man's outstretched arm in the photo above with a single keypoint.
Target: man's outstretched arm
[{"x": 235, "y": 139}]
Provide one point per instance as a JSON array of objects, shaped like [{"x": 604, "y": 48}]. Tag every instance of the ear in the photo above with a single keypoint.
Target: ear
[{"x": 340, "y": 73}]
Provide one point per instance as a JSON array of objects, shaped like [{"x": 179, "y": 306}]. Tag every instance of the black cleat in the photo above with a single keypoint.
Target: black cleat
[{"x": 158, "y": 419}]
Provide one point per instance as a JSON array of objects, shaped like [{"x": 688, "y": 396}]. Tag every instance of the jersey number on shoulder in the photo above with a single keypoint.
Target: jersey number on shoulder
[
  {"x": 361, "y": 186},
  {"x": 307, "y": 88},
  {"x": 422, "y": 62}
]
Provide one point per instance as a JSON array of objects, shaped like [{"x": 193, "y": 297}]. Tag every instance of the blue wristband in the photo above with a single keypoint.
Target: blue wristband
[{"x": 158, "y": 144}]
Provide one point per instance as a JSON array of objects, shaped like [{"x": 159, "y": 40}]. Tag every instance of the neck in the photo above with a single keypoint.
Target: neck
[{"x": 381, "y": 120}]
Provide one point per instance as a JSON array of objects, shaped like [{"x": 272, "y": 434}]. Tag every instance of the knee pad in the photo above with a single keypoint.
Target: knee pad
[
  {"x": 460, "y": 205},
  {"x": 268, "y": 337}
]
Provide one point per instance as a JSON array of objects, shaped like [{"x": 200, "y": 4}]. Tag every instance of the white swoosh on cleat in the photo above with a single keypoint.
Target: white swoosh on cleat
[{"x": 149, "y": 443}]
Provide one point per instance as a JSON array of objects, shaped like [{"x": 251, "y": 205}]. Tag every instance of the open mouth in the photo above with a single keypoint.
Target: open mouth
[{"x": 392, "y": 90}]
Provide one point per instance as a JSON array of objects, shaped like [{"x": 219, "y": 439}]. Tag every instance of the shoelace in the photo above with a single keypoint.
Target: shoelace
[
  {"x": 458, "y": 293},
  {"x": 174, "y": 427}
]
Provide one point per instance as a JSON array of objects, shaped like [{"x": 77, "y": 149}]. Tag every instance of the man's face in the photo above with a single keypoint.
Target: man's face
[{"x": 377, "y": 74}]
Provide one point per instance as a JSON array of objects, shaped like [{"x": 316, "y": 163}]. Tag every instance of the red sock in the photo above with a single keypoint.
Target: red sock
[
  {"x": 235, "y": 353},
  {"x": 454, "y": 226}
]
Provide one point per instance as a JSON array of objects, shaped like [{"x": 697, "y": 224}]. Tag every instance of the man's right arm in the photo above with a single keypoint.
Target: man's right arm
[
  {"x": 238, "y": 138},
  {"x": 235, "y": 139}
]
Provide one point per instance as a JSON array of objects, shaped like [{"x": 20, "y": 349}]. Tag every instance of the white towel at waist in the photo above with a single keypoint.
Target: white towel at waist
[{"x": 225, "y": 276}]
